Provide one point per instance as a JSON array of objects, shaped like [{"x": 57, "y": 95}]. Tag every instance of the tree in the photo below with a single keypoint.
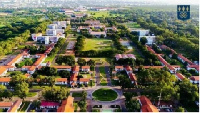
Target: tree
[
  {"x": 84, "y": 95},
  {"x": 133, "y": 105},
  {"x": 17, "y": 79},
  {"x": 28, "y": 62},
  {"x": 143, "y": 40},
  {"x": 22, "y": 90},
  {"x": 8, "y": 94},
  {"x": 55, "y": 93},
  {"x": 2, "y": 90},
  {"x": 64, "y": 74},
  {"x": 91, "y": 62},
  {"x": 36, "y": 104},
  {"x": 51, "y": 81},
  {"x": 81, "y": 62},
  {"x": 179, "y": 109}
]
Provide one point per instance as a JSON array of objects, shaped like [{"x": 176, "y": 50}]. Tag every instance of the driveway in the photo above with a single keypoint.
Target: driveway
[{"x": 97, "y": 75}]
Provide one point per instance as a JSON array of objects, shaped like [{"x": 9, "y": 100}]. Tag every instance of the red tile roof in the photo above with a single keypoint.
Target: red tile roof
[
  {"x": 128, "y": 68},
  {"x": 149, "y": 108},
  {"x": 14, "y": 59},
  {"x": 2, "y": 69},
  {"x": 74, "y": 77},
  {"x": 194, "y": 66},
  {"x": 76, "y": 68},
  {"x": 119, "y": 67},
  {"x": 39, "y": 60},
  {"x": 151, "y": 50},
  {"x": 61, "y": 79},
  {"x": 7, "y": 79},
  {"x": 147, "y": 105},
  {"x": 62, "y": 67},
  {"x": 84, "y": 80},
  {"x": 85, "y": 67},
  {"x": 49, "y": 103},
  {"x": 194, "y": 78},
  {"x": 15, "y": 106},
  {"x": 185, "y": 59},
  {"x": 144, "y": 100},
  {"x": 180, "y": 76},
  {"x": 67, "y": 105},
  {"x": 5, "y": 104}
]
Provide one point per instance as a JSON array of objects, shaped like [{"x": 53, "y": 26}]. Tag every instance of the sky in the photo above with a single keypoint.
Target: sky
[{"x": 175, "y": 2}]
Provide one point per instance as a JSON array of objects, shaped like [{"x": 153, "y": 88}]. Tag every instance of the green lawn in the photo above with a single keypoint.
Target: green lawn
[
  {"x": 22, "y": 63},
  {"x": 97, "y": 44},
  {"x": 76, "y": 94},
  {"x": 136, "y": 53},
  {"x": 50, "y": 58},
  {"x": 91, "y": 82},
  {"x": 132, "y": 25},
  {"x": 63, "y": 49},
  {"x": 24, "y": 106},
  {"x": 75, "y": 107},
  {"x": 104, "y": 94},
  {"x": 102, "y": 71},
  {"x": 104, "y": 82},
  {"x": 31, "y": 94},
  {"x": 97, "y": 14},
  {"x": 86, "y": 75}
]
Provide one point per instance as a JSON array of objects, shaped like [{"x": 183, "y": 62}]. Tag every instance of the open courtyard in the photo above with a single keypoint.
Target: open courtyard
[{"x": 97, "y": 44}]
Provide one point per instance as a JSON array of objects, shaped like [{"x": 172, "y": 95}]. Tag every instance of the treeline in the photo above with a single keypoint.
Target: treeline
[
  {"x": 57, "y": 47},
  {"x": 9, "y": 42}
]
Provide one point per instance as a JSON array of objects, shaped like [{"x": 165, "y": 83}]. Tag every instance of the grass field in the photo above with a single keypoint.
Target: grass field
[
  {"x": 97, "y": 44},
  {"x": 22, "y": 63},
  {"x": 50, "y": 58},
  {"x": 132, "y": 25},
  {"x": 24, "y": 106},
  {"x": 104, "y": 94},
  {"x": 102, "y": 14},
  {"x": 104, "y": 82},
  {"x": 102, "y": 71}
]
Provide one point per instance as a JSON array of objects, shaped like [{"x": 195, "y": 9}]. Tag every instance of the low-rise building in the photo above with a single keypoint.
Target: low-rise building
[
  {"x": 194, "y": 67},
  {"x": 66, "y": 68},
  {"x": 15, "y": 106},
  {"x": 67, "y": 105},
  {"x": 184, "y": 59},
  {"x": 124, "y": 56},
  {"x": 85, "y": 68},
  {"x": 61, "y": 81},
  {"x": 194, "y": 79},
  {"x": 5, "y": 81},
  {"x": 119, "y": 68},
  {"x": 84, "y": 81},
  {"x": 3, "y": 71},
  {"x": 128, "y": 69},
  {"x": 146, "y": 105},
  {"x": 150, "y": 39},
  {"x": 179, "y": 76}
]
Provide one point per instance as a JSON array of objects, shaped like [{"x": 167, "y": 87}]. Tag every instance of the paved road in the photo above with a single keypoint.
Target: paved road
[
  {"x": 108, "y": 75},
  {"x": 97, "y": 75}
]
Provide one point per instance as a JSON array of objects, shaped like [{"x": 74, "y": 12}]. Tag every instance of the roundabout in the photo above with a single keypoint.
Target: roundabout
[{"x": 104, "y": 94}]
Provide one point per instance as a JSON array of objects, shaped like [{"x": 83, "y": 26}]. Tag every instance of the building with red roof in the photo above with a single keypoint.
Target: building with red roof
[
  {"x": 146, "y": 105},
  {"x": 67, "y": 105},
  {"x": 15, "y": 60},
  {"x": 119, "y": 68},
  {"x": 5, "y": 81},
  {"x": 184, "y": 59},
  {"x": 85, "y": 68},
  {"x": 49, "y": 104},
  {"x": 133, "y": 78},
  {"x": 84, "y": 80},
  {"x": 59, "y": 68},
  {"x": 128, "y": 69},
  {"x": 15, "y": 106},
  {"x": 179, "y": 76},
  {"x": 3, "y": 71},
  {"x": 194, "y": 79},
  {"x": 195, "y": 67},
  {"x": 75, "y": 69},
  {"x": 61, "y": 81}
]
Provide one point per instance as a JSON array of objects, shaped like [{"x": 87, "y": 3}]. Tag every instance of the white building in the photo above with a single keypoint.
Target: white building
[
  {"x": 150, "y": 39},
  {"x": 141, "y": 32}
]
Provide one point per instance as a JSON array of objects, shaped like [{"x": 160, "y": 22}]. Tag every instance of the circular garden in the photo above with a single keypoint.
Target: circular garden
[{"x": 104, "y": 94}]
